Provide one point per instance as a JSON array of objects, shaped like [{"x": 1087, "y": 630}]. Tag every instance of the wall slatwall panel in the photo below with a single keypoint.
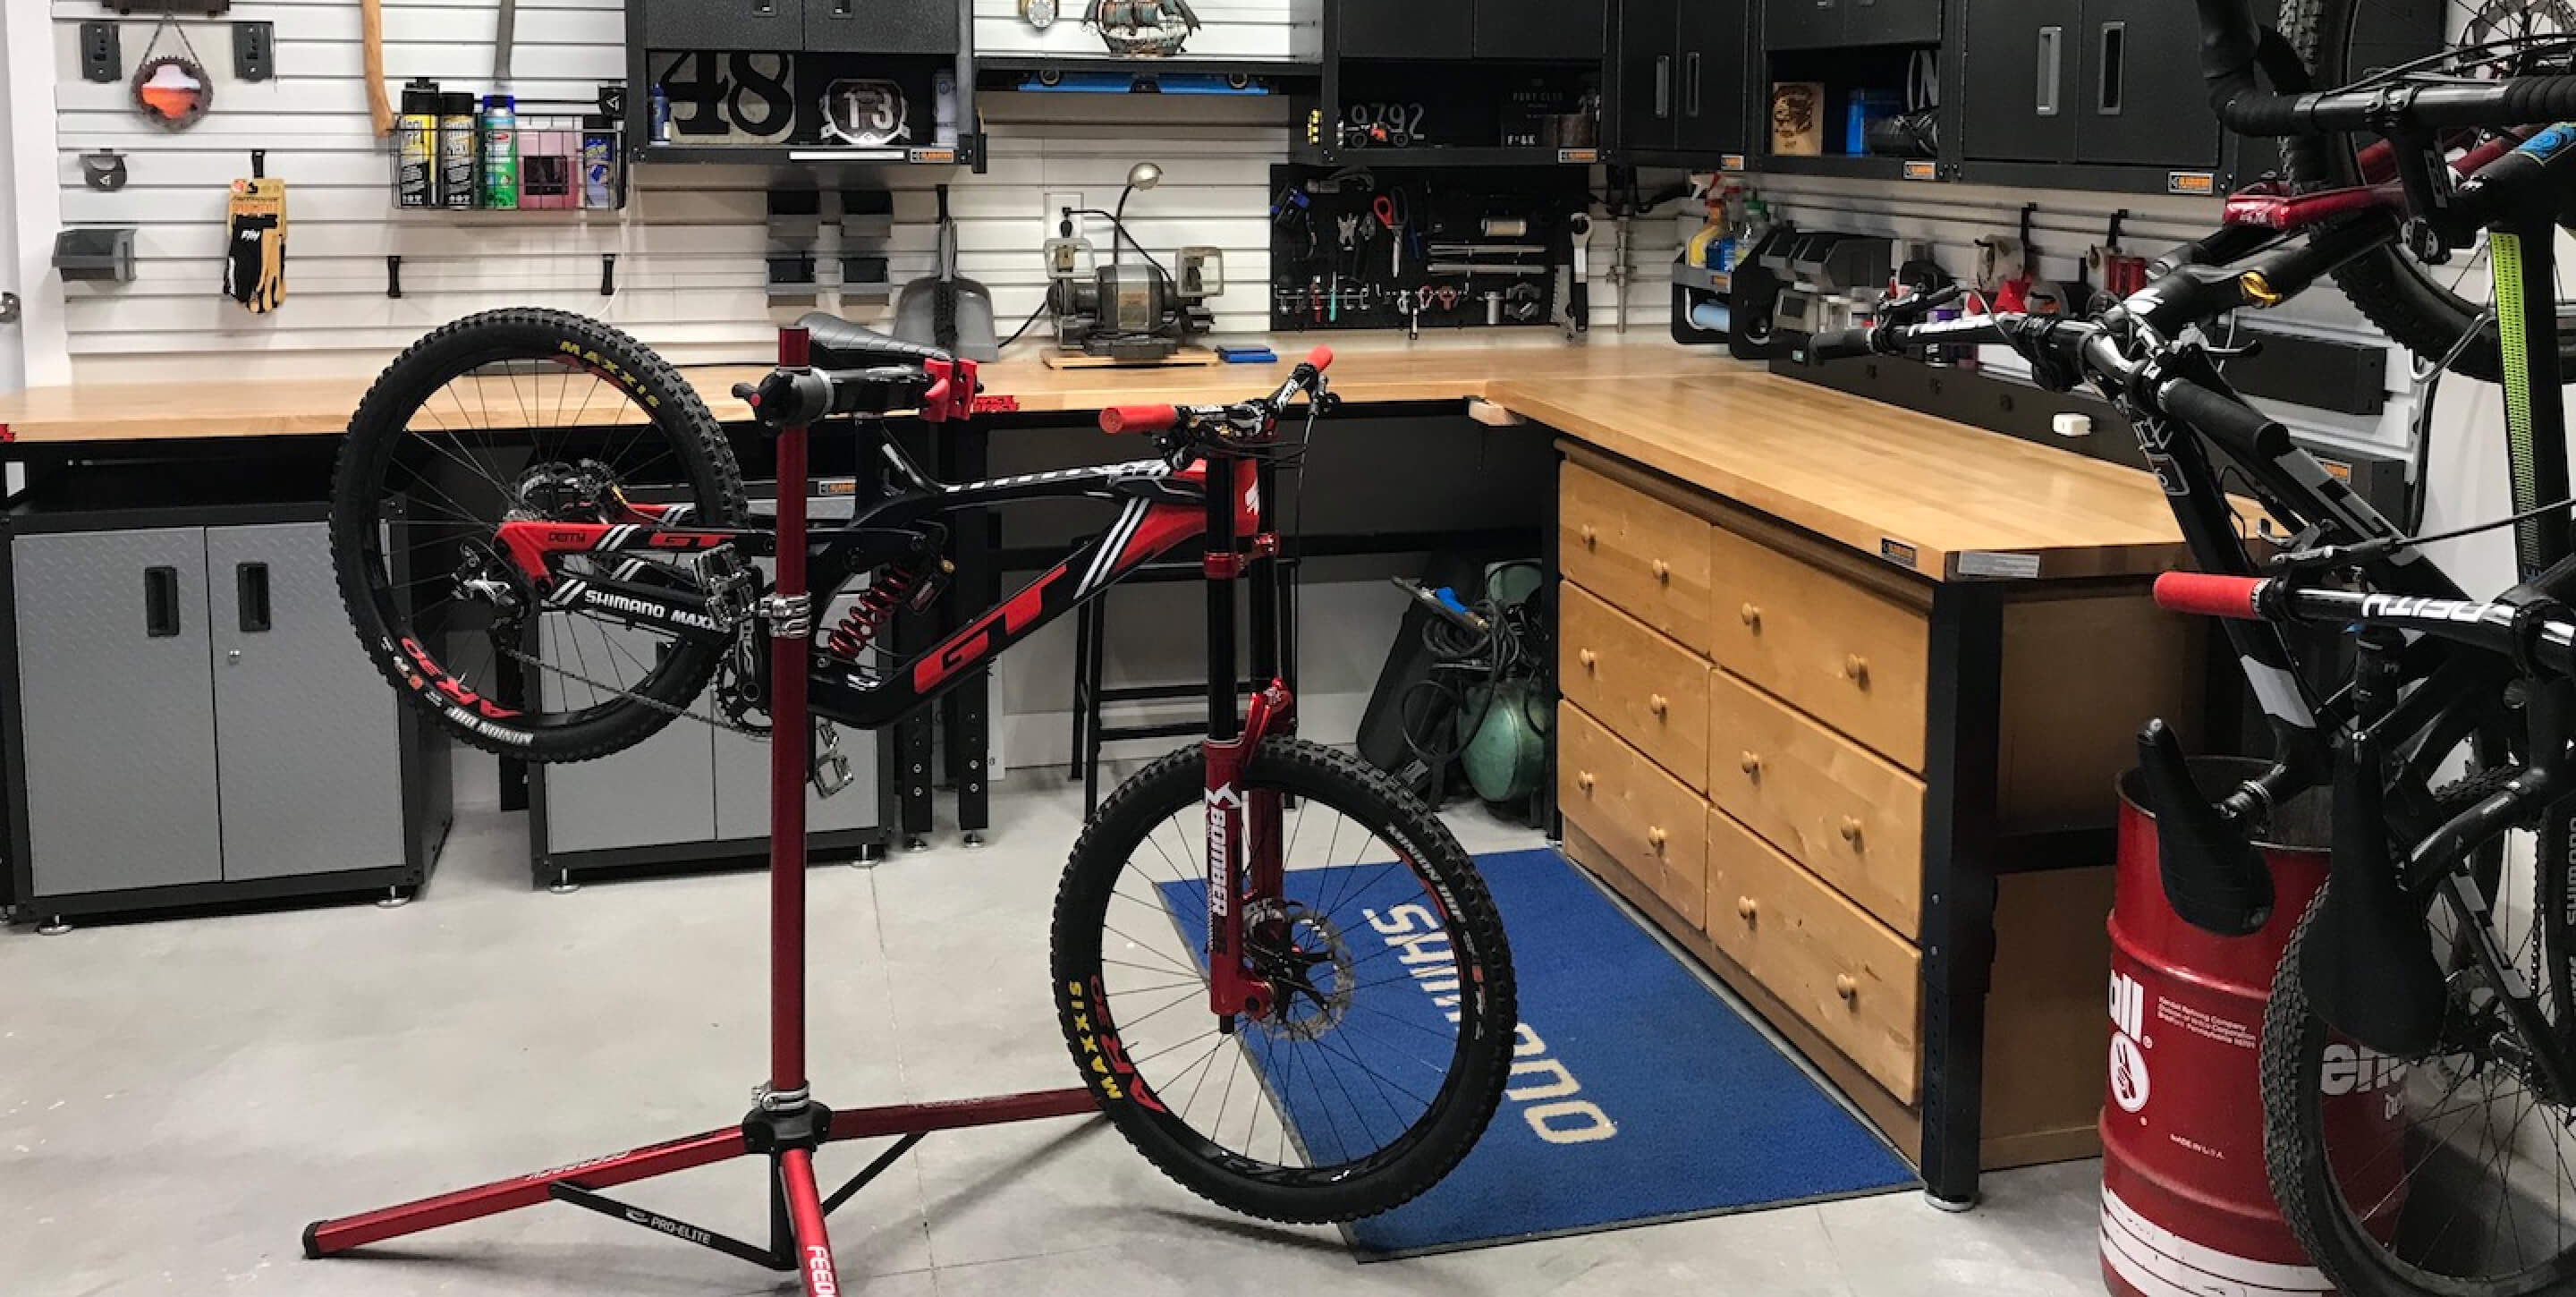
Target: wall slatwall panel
[{"x": 690, "y": 275}]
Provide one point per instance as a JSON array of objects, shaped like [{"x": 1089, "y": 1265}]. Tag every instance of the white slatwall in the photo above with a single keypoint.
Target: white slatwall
[
  {"x": 690, "y": 274},
  {"x": 1954, "y": 217}
]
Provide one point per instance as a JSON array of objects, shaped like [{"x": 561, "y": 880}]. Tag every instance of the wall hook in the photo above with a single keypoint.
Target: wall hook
[
  {"x": 393, "y": 277},
  {"x": 608, "y": 274},
  {"x": 103, "y": 170},
  {"x": 2118, "y": 219},
  {"x": 259, "y": 164}
]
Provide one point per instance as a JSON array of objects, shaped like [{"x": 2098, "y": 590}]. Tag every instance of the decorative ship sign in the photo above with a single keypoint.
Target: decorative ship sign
[{"x": 1142, "y": 28}]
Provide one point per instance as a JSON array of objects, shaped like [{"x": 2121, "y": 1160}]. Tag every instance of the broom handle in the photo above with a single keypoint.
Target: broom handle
[{"x": 371, "y": 35}]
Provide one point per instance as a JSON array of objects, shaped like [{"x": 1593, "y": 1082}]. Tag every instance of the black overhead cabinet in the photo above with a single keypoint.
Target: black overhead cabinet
[
  {"x": 2101, "y": 82},
  {"x": 1681, "y": 77},
  {"x": 1825, "y": 24},
  {"x": 1553, "y": 31}
]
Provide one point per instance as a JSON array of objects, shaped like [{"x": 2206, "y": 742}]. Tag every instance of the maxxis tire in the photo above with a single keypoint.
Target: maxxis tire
[
  {"x": 375, "y": 432},
  {"x": 2386, "y": 284},
  {"x": 1176, "y": 783},
  {"x": 2294, "y": 1040}
]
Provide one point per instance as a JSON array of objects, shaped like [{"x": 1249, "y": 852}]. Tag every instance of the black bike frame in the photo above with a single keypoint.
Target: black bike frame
[{"x": 1164, "y": 508}]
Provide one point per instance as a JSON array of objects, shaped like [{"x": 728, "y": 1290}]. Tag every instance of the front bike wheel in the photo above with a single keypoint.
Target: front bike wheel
[
  {"x": 2456, "y": 1183},
  {"x": 2432, "y": 311},
  {"x": 513, "y": 415},
  {"x": 1395, "y": 1025}
]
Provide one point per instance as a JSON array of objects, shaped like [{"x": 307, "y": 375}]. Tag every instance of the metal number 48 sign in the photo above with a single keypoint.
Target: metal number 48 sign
[{"x": 730, "y": 98}]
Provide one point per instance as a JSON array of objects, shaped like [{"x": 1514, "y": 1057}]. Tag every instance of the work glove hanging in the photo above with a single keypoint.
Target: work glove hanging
[{"x": 255, "y": 244}]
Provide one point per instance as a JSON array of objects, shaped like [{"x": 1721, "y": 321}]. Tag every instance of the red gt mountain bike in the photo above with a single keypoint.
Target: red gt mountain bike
[{"x": 544, "y": 540}]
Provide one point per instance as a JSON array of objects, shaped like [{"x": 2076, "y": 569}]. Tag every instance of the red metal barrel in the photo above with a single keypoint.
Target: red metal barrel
[{"x": 2187, "y": 1209}]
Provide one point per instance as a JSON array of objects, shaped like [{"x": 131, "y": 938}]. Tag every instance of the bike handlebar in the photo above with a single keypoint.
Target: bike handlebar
[
  {"x": 2538, "y": 634},
  {"x": 1163, "y": 417},
  {"x": 2230, "y": 420}
]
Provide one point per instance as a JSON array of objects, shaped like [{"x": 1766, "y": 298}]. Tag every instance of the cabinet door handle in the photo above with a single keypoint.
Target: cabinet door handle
[
  {"x": 1583, "y": 780},
  {"x": 1587, "y": 657},
  {"x": 764, "y": 8},
  {"x": 1663, "y": 86},
  {"x": 2052, "y": 64},
  {"x": 1750, "y": 763},
  {"x": 1655, "y": 838},
  {"x": 2112, "y": 86},
  {"x": 1690, "y": 84},
  {"x": 1663, "y": 571},
  {"x": 1590, "y": 537},
  {"x": 1846, "y": 986},
  {"x": 250, "y": 591},
  {"x": 160, "y": 602}
]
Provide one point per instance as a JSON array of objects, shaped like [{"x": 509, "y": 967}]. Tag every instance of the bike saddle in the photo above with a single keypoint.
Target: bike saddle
[{"x": 839, "y": 344}]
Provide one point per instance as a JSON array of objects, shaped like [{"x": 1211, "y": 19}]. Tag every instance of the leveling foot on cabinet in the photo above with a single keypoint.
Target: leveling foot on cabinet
[
  {"x": 563, "y": 885},
  {"x": 1951, "y": 1205},
  {"x": 54, "y": 927},
  {"x": 394, "y": 899}
]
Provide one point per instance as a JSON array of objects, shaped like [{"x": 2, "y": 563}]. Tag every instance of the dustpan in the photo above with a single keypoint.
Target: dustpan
[{"x": 944, "y": 310}]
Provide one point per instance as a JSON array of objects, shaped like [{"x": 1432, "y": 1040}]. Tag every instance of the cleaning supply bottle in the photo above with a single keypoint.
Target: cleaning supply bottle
[
  {"x": 416, "y": 146},
  {"x": 500, "y": 153},
  {"x": 459, "y": 178}
]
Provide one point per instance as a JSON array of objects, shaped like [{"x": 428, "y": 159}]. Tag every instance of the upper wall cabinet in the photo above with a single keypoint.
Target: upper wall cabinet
[
  {"x": 849, "y": 26},
  {"x": 1555, "y": 31},
  {"x": 1821, "y": 24},
  {"x": 2105, "y": 82},
  {"x": 1681, "y": 76}
]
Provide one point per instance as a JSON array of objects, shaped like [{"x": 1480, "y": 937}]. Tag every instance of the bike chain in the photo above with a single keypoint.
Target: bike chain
[{"x": 667, "y": 709}]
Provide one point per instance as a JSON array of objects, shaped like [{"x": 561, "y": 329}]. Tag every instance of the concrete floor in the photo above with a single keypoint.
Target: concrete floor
[{"x": 177, "y": 1099}]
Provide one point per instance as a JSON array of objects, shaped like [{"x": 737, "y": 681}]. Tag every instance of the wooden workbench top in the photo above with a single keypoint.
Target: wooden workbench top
[
  {"x": 1371, "y": 370},
  {"x": 1850, "y": 469},
  {"x": 1959, "y": 500}
]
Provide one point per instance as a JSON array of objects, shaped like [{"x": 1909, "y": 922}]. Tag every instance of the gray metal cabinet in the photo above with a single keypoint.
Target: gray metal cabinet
[
  {"x": 193, "y": 710},
  {"x": 650, "y": 794},
  {"x": 2024, "y": 57},
  {"x": 1407, "y": 29},
  {"x": 1893, "y": 22},
  {"x": 118, "y": 721},
  {"x": 2135, "y": 109},
  {"x": 310, "y": 781}
]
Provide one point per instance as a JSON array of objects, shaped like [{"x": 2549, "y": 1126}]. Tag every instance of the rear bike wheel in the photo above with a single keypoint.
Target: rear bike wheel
[
  {"x": 2469, "y": 1196},
  {"x": 2430, "y": 310},
  {"x": 1394, "y": 1024},
  {"x": 515, "y": 415}
]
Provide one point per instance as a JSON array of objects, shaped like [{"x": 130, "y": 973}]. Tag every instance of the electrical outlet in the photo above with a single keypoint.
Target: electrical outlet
[{"x": 1056, "y": 202}]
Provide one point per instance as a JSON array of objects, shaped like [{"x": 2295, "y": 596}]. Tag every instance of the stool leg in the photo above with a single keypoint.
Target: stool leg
[
  {"x": 1096, "y": 635},
  {"x": 1085, "y": 688}
]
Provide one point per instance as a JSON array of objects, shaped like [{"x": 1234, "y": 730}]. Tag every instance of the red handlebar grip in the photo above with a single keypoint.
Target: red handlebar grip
[
  {"x": 1139, "y": 418},
  {"x": 1321, "y": 358},
  {"x": 2208, "y": 595}
]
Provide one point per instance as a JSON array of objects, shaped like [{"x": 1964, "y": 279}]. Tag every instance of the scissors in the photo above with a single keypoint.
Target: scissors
[{"x": 1388, "y": 215}]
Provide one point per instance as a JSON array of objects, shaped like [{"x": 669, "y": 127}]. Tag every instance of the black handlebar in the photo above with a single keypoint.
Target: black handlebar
[{"x": 2226, "y": 418}]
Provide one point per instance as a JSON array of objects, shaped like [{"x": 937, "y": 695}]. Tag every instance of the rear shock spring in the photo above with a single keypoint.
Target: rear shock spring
[{"x": 875, "y": 605}]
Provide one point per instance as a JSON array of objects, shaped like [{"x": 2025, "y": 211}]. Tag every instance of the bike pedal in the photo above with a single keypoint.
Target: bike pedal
[{"x": 831, "y": 770}]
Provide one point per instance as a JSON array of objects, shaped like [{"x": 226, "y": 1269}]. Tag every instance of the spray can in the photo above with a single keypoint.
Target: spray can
[
  {"x": 657, "y": 107},
  {"x": 458, "y": 177},
  {"x": 416, "y": 146},
  {"x": 500, "y": 153},
  {"x": 598, "y": 162}
]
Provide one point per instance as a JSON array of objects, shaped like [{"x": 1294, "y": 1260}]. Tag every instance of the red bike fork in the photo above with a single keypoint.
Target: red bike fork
[
  {"x": 1244, "y": 866},
  {"x": 788, "y": 1127}
]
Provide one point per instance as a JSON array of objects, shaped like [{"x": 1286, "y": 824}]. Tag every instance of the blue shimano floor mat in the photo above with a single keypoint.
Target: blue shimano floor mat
[{"x": 1637, "y": 1095}]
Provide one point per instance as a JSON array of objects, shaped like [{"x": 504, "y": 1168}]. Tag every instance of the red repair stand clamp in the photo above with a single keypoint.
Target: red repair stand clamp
[{"x": 788, "y": 1126}]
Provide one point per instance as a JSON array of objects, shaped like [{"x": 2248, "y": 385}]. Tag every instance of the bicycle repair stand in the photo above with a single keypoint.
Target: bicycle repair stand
[{"x": 787, "y": 1126}]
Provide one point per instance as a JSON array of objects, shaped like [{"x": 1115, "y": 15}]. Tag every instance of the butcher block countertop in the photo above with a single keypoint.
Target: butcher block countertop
[{"x": 1939, "y": 498}]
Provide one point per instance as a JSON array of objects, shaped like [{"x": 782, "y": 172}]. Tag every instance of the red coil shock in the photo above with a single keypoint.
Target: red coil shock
[{"x": 866, "y": 617}]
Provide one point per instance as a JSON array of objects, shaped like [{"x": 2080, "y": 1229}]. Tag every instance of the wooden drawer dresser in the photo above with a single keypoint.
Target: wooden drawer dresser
[{"x": 1874, "y": 801}]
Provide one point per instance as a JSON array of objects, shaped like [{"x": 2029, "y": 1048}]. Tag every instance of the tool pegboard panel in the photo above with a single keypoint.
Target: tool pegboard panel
[{"x": 1422, "y": 248}]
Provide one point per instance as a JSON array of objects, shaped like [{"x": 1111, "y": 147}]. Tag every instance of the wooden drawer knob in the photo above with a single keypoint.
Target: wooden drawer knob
[
  {"x": 1586, "y": 657},
  {"x": 1750, "y": 763},
  {"x": 1655, "y": 839},
  {"x": 1851, "y": 830},
  {"x": 1845, "y": 987},
  {"x": 1655, "y": 703},
  {"x": 1589, "y": 538},
  {"x": 1752, "y": 615},
  {"x": 1745, "y": 909},
  {"x": 1583, "y": 780},
  {"x": 1856, "y": 668},
  {"x": 1663, "y": 570}
]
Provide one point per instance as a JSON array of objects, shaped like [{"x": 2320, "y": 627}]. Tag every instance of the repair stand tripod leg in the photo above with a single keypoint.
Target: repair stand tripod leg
[{"x": 787, "y": 1126}]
